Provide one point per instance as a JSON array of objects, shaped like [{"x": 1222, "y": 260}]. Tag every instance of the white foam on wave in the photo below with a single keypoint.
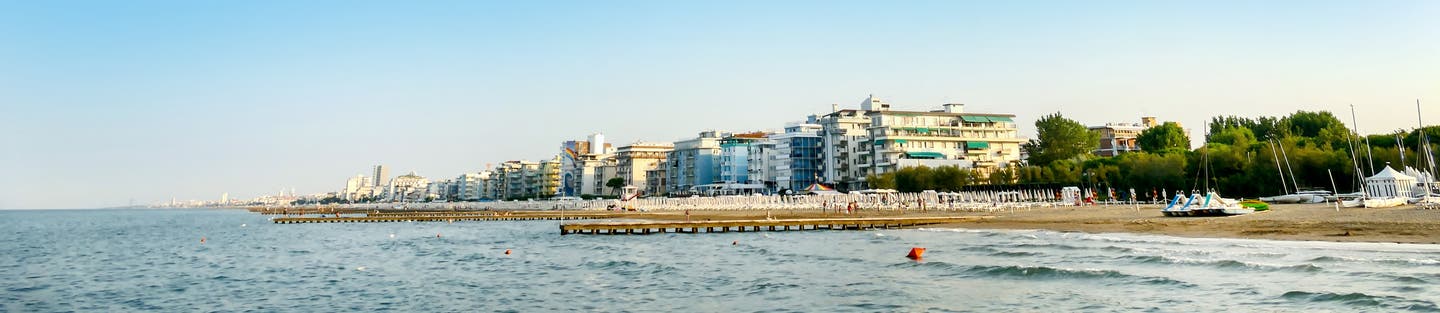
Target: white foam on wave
[{"x": 1245, "y": 243}]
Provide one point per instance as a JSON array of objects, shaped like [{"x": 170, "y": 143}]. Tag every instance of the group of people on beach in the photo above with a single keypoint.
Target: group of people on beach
[{"x": 851, "y": 207}]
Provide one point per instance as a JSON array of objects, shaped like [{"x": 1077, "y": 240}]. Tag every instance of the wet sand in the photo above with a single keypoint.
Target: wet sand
[{"x": 1406, "y": 224}]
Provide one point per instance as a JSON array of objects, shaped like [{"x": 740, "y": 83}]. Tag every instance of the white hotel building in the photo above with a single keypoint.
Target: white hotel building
[{"x": 876, "y": 140}]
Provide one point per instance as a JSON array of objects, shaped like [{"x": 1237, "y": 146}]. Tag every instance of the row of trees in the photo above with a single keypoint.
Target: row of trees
[{"x": 1245, "y": 158}]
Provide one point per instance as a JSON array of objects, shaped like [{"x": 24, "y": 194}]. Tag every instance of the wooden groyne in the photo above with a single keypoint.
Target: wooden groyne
[
  {"x": 443, "y": 218},
  {"x": 756, "y": 225},
  {"x": 303, "y": 211},
  {"x": 482, "y": 213}
]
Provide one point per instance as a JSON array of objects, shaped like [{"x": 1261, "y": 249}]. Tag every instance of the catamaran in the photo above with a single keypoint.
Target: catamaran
[{"x": 1209, "y": 205}]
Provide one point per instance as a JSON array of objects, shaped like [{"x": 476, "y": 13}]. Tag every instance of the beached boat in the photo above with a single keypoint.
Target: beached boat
[
  {"x": 1385, "y": 202},
  {"x": 1211, "y": 204},
  {"x": 1318, "y": 196},
  {"x": 1354, "y": 203}
]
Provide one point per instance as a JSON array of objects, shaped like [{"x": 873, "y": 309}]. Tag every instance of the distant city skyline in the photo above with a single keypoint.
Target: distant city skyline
[{"x": 105, "y": 102}]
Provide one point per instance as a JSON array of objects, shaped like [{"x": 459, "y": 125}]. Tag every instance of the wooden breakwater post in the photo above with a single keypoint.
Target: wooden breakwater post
[{"x": 630, "y": 228}]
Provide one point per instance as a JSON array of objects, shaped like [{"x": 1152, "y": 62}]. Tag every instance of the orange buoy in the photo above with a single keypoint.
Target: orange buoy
[
  {"x": 202, "y": 239},
  {"x": 916, "y": 252},
  {"x": 507, "y": 251}
]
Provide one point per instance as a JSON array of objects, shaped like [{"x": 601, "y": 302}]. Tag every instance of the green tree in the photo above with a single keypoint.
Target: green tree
[
  {"x": 1234, "y": 136},
  {"x": 1059, "y": 138},
  {"x": 1003, "y": 176},
  {"x": 950, "y": 178},
  {"x": 915, "y": 179},
  {"x": 1165, "y": 136},
  {"x": 882, "y": 181},
  {"x": 616, "y": 183},
  {"x": 1153, "y": 172},
  {"x": 1309, "y": 124},
  {"x": 1263, "y": 127}
]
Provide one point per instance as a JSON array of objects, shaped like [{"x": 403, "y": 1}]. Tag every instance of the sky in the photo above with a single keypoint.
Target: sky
[{"x": 107, "y": 102}]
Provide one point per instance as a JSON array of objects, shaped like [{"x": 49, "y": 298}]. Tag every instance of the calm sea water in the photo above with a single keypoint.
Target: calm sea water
[{"x": 152, "y": 260}]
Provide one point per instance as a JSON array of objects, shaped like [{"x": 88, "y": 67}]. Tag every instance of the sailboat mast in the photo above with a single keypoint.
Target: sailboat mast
[
  {"x": 1283, "y": 187},
  {"x": 1359, "y": 174},
  {"x": 1400, "y": 144},
  {"x": 1370, "y": 161},
  {"x": 1425, "y": 140},
  {"x": 1288, "y": 168},
  {"x": 1207, "y": 157}
]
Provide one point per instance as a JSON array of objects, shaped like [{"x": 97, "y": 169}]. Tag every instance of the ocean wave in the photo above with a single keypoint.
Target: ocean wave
[
  {"x": 981, "y": 232},
  {"x": 1117, "y": 249},
  {"x": 1140, "y": 239},
  {"x": 1224, "y": 264},
  {"x": 1047, "y": 246},
  {"x": 1015, "y": 254},
  {"x": 1045, "y": 272},
  {"x": 626, "y": 267},
  {"x": 1398, "y": 277},
  {"x": 756, "y": 288},
  {"x": 1407, "y": 289},
  {"x": 1362, "y": 300},
  {"x": 1402, "y": 262},
  {"x": 472, "y": 257}
]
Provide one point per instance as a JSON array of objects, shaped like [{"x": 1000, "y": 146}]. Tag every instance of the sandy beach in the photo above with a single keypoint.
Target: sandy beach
[{"x": 1321, "y": 222}]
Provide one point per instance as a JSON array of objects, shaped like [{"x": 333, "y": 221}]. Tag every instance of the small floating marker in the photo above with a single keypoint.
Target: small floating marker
[
  {"x": 202, "y": 239},
  {"x": 507, "y": 251},
  {"x": 915, "y": 253},
  {"x": 437, "y": 235},
  {"x": 242, "y": 225},
  {"x": 734, "y": 242},
  {"x": 392, "y": 236},
  {"x": 362, "y": 268}
]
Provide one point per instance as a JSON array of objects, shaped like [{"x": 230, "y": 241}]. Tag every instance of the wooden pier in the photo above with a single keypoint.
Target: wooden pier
[
  {"x": 446, "y": 218},
  {"x": 631, "y": 228},
  {"x": 479, "y": 213}
]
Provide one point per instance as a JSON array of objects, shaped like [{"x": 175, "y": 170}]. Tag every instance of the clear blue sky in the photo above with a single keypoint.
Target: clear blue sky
[{"x": 106, "y": 101}]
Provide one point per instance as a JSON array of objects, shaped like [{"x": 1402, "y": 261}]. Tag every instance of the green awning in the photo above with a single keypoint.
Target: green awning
[
  {"x": 925, "y": 155},
  {"x": 974, "y": 119},
  {"x": 879, "y": 142},
  {"x": 977, "y": 145},
  {"x": 923, "y": 130},
  {"x": 1000, "y": 119},
  {"x": 900, "y": 141}
]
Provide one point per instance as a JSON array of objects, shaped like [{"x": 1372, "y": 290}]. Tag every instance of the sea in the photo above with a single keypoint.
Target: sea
[{"x": 155, "y": 261}]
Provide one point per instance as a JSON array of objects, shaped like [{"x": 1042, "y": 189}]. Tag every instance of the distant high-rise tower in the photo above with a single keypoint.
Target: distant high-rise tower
[
  {"x": 597, "y": 144},
  {"x": 225, "y": 198},
  {"x": 380, "y": 175}
]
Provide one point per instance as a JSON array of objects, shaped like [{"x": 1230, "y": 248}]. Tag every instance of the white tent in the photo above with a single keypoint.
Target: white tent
[{"x": 1390, "y": 183}]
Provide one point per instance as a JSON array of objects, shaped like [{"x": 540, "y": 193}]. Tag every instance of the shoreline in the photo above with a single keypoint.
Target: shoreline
[{"x": 1303, "y": 222}]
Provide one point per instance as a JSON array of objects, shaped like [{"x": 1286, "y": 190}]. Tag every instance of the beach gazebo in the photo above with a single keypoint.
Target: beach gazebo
[{"x": 1389, "y": 183}]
